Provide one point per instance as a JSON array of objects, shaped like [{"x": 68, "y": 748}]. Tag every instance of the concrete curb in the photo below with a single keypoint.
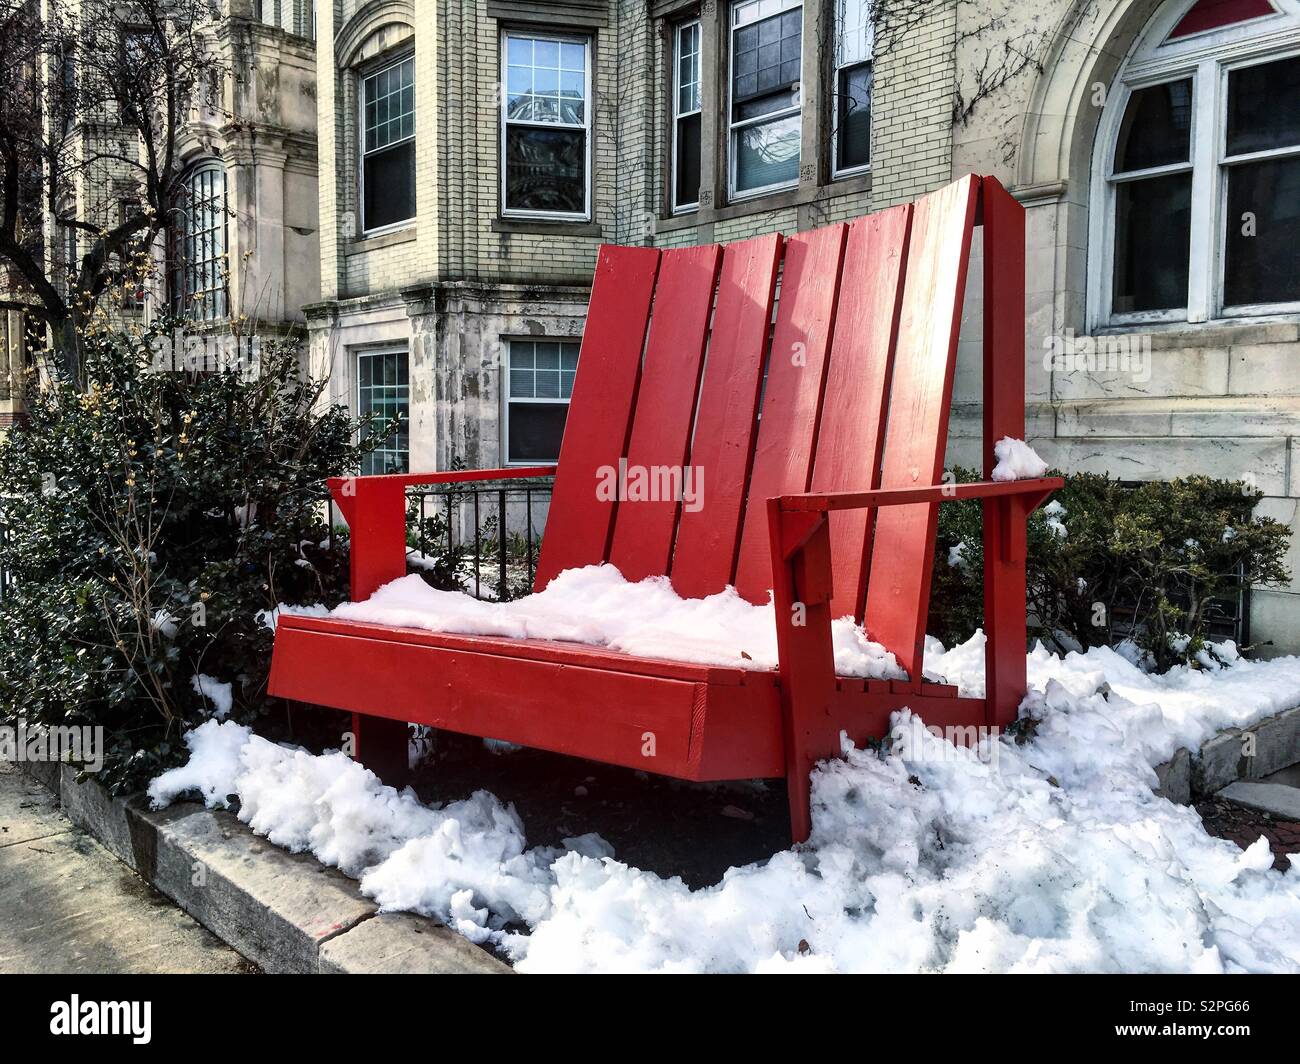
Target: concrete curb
[
  {"x": 1234, "y": 754},
  {"x": 286, "y": 912}
]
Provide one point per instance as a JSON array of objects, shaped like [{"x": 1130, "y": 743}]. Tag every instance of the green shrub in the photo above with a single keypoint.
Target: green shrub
[
  {"x": 152, "y": 516},
  {"x": 1108, "y": 562}
]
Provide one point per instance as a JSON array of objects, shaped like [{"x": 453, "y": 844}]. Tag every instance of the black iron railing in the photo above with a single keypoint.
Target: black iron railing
[{"x": 482, "y": 527}]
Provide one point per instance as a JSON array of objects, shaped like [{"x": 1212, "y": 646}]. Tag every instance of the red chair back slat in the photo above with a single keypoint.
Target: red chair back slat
[
  {"x": 851, "y": 436},
  {"x": 898, "y": 589},
  {"x": 579, "y": 523},
  {"x": 661, "y": 425},
  {"x": 855, "y": 394},
  {"x": 792, "y": 394},
  {"x": 705, "y": 554}
]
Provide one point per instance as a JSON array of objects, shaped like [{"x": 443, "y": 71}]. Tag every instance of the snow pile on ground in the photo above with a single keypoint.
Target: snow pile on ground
[
  {"x": 1016, "y": 460},
  {"x": 1049, "y": 856},
  {"x": 596, "y": 606}
]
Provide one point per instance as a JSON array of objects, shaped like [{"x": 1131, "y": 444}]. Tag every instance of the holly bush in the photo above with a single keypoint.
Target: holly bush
[
  {"x": 152, "y": 516},
  {"x": 1109, "y": 562}
]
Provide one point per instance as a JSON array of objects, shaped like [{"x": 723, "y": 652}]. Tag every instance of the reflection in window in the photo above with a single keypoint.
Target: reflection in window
[
  {"x": 546, "y": 125},
  {"x": 766, "y": 58}
]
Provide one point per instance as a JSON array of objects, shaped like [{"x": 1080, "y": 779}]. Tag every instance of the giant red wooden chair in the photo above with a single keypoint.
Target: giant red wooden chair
[{"x": 830, "y": 498}]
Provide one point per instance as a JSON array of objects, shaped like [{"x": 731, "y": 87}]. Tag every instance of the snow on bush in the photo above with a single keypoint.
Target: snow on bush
[
  {"x": 596, "y": 606},
  {"x": 1016, "y": 460},
  {"x": 1050, "y": 856}
]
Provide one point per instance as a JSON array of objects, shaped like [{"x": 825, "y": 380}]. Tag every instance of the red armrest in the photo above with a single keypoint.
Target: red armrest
[{"x": 824, "y": 502}]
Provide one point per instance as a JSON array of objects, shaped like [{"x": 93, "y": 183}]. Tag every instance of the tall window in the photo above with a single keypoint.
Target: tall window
[
  {"x": 540, "y": 381},
  {"x": 851, "y": 93},
  {"x": 686, "y": 116},
  {"x": 199, "y": 263},
  {"x": 766, "y": 53},
  {"x": 383, "y": 389},
  {"x": 1199, "y": 169},
  {"x": 546, "y": 126},
  {"x": 388, "y": 146}
]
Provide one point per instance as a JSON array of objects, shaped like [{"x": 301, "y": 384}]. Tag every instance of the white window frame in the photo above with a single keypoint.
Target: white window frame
[
  {"x": 588, "y": 108},
  {"x": 840, "y": 65},
  {"x": 733, "y": 126},
  {"x": 382, "y": 351},
  {"x": 1206, "y": 58},
  {"x": 362, "y": 78},
  {"x": 507, "y": 399},
  {"x": 678, "y": 114}
]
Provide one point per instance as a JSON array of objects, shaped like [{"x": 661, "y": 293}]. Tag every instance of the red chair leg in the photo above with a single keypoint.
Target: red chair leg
[
  {"x": 381, "y": 745},
  {"x": 801, "y": 574}
]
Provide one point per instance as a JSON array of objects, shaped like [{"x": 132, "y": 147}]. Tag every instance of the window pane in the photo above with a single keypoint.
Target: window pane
[
  {"x": 546, "y": 81},
  {"x": 687, "y": 176},
  {"x": 1157, "y": 127},
  {"x": 390, "y": 186},
  {"x": 765, "y": 62},
  {"x": 767, "y": 154},
  {"x": 688, "y": 68},
  {"x": 1152, "y": 237},
  {"x": 382, "y": 391},
  {"x": 1264, "y": 107},
  {"x": 1263, "y": 264},
  {"x": 198, "y": 245},
  {"x": 535, "y": 431},
  {"x": 853, "y": 130},
  {"x": 854, "y": 32},
  {"x": 390, "y": 105},
  {"x": 545, "y": 169}
]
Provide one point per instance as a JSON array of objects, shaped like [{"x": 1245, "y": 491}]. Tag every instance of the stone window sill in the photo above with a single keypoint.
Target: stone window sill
[{"x": 382, "y": 240}]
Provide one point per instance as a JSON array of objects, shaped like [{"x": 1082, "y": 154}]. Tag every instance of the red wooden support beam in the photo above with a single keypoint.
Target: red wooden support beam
[
  {"x": 801, "y": 591},
  {"x": 1005, "y": 604}
]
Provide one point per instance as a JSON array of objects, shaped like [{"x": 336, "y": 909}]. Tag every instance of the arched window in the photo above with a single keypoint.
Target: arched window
[
  {"x": 1196, "y": 184},
  {"x": 199, "y": 264}
]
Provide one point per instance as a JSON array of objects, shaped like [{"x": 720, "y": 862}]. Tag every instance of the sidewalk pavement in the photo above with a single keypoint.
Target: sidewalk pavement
[{"x": 67, "y": 905}]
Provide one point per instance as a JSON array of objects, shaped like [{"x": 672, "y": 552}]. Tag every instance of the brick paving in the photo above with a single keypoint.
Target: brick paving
[{"x": 1228, "y": 820}]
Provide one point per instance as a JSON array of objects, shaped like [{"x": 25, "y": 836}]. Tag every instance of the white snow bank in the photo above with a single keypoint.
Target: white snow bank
[
  {"x": 1050, "y": 856},
  {"x": 1016, "y": 460},
  {"x": 596, "y": 606}
]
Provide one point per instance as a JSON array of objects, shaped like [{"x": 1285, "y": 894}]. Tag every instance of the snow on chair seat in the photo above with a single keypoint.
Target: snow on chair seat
[{"x": 828, "y": 502}]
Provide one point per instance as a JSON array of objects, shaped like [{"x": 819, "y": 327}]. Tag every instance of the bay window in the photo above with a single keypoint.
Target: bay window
[
  {"x": 765, "y": 98},
  {"x": 546, "y": 126}
]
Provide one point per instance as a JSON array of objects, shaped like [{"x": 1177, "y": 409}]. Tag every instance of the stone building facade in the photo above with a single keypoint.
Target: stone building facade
[
  {"x": 500, "y": 141},
  {"x": 243, "y": 240}
]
